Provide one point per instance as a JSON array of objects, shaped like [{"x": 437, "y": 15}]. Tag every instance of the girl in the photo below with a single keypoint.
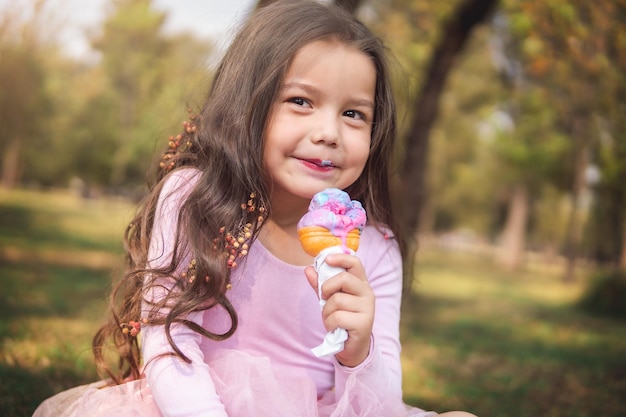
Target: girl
[{"x": 217, "y": 280}]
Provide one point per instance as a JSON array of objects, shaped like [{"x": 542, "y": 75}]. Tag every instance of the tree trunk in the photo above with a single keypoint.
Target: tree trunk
[
  {"x": 10, "y": 164},
  {"x": 456, "y": 32},
  {"x": 609, "y": 221},
  {"x": 511, "y": 253},
  {"x": 573, "y": 232},
  {"x": 622, "y": 263}
]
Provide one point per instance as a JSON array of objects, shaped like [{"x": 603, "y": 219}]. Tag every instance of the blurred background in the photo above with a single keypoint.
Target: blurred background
[{"x": 512, "y": 171}]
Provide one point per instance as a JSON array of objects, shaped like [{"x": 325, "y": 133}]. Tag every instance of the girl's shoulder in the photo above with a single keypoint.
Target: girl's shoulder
[
  {"x": 377, "y": 233},
  {"x": 377, "y": 239},
  {"x": 179, "y": 183},
  {"x": 379, "y": 252},
  {"x": 182, "y": 177},
  {"x": 175, "y": 189}
]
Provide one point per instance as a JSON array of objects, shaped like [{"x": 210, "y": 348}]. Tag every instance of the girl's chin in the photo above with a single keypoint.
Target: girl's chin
[
  {"x": 309, "y": 192},
  {"x": 306, "y": 187}
]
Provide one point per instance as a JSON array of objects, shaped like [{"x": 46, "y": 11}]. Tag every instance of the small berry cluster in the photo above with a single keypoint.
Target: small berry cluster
[
  {"x": 179, "y": 143},
  {"x": 132, "y": 328},
  {"x": 235, "y": 242},
  {"x": 190, "y": 274}
]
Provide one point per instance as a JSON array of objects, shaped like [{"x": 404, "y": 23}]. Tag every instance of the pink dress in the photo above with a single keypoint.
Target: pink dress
[{"x": 266, "y": 368}]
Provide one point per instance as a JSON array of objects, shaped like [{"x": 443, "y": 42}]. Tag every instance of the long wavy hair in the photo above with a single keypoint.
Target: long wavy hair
[{"x": 224, "y": 147}]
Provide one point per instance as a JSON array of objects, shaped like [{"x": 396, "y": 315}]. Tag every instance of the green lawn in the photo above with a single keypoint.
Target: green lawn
[
  {"x": 474, "y": 337},
  {"x": 508, "y": 344},
  {"x": 57, "y": 257}
]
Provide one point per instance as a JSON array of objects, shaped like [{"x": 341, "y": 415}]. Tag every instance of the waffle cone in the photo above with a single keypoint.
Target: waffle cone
[{"x": 314, "y": 239}]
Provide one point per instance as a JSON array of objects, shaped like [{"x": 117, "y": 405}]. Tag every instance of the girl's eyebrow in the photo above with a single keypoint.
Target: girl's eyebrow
[
  {"x": 363, "y": 102},
  {"x": 303, "y": 86},
  {"x": 314, "y": 90}
]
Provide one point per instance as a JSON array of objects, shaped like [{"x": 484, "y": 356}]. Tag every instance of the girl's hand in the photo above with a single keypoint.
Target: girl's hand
[{"x": 349, "y": 305}]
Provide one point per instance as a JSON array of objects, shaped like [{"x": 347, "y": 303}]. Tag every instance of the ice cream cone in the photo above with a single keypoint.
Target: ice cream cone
[{"x": 314, "y": 239}]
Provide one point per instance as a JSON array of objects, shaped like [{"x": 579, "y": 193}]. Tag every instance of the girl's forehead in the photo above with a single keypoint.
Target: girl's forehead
[
  {"x": 325, "y": 44},
  {"x": 326, "y": 53}
]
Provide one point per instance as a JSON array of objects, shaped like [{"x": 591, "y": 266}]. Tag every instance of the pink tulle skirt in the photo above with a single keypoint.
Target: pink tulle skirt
[{"x": 251, "y": 391}]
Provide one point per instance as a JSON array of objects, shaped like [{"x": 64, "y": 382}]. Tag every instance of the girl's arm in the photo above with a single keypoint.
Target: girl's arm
[{"x": 178, "y": 388}]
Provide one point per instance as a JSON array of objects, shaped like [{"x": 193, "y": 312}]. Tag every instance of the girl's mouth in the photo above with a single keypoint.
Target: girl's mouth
[{"x": 319, "y": 163}]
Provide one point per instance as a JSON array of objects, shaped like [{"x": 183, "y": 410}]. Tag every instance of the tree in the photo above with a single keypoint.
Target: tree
[
  {"x": 527, "y": 157},
  {"x": 127, "y": 104},
  {"x": 607, "y": 228},
  {"x": 132, "y": 50},
  {"x": 566, "y": 49},
  {"x": 528, "y": 151},
  {"x": 456, "y": 32},
  {"x": 25, "y": 105}
]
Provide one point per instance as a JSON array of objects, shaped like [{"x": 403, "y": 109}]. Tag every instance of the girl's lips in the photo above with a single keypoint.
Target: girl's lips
[{"x": 318, "y": 164}]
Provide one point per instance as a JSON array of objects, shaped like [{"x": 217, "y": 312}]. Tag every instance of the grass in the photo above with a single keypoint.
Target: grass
[
  {"x": 474, "y": 338},
  {"x": 508, "y": 344},
  {"x": 57, "y": 256}
]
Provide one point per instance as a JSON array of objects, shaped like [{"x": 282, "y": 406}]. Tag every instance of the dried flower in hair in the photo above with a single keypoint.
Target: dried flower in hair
[
  {"x": 132, "y": 328},
  {"x": 190, "y": 273},
  {"x": 235, "y": 242},
  {"x": 183, "y": 142}
]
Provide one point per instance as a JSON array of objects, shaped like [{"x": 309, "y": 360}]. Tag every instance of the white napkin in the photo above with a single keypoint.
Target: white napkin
[{"x": 333, "y": 341}]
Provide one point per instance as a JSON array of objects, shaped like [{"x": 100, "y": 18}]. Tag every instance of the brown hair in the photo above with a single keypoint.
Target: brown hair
[{"x": 225, "y": 149}]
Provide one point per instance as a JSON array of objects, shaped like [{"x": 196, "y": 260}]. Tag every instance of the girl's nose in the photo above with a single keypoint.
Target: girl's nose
[{"x": 326, "y": 131}]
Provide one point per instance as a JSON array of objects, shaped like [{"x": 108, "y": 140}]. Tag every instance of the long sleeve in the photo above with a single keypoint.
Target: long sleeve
[
  {"x": 179, "y": 389},
  {"x": 381, "y": 371}
]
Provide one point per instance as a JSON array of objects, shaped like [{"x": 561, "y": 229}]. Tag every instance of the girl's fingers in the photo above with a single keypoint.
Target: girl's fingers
[
  {"x": 346, "y": 283},
  {"x": 349, "y": 303},
  {"x": 350, "y": 263}
]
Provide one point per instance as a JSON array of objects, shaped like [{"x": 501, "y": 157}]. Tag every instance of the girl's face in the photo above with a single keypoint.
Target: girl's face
[{"x": 319, "y": 130}]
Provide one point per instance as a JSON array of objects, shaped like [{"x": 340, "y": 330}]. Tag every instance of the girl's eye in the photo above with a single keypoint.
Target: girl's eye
[
  {"x": 298, "y": 101},
  {"x": 353, "y": 114}
]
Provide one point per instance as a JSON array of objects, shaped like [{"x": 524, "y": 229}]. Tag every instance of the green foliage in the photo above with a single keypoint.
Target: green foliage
[
  {"x": 132, "y": 48},
  {"x": 94, "y": 139},
  {"x": 531, "y": 151},
  {"x": 135, "y": 60},
  {"x": 23, "y": 93},
  {"x": 102, "y": 122},
  {"x": 25, "y": 105},
  {"x": 606, "y": 294},
  {"x": 563, "y": 93}
]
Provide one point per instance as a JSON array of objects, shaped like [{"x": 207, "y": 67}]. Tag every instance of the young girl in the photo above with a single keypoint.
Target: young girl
[{"x": 218, "y": 287}]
